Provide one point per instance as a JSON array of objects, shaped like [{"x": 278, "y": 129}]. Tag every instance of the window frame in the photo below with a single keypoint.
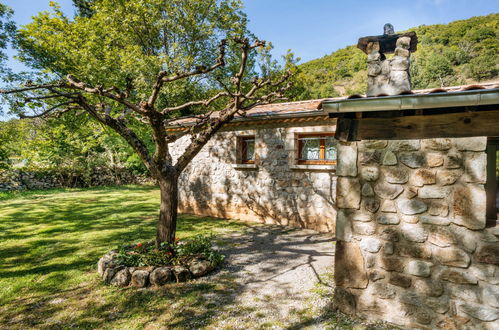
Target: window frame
[
  {"x": 241, "y": 149},
  {"x": 492, "y": 184},
  {"x": 322, "y": 149}
]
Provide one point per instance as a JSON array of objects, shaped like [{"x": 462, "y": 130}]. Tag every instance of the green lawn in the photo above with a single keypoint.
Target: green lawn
[{"x": 51, "y": 241}]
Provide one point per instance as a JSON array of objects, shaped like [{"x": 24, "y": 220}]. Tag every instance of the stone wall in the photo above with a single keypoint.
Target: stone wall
[
  {"x": 412, "y": 245},
  {"x": 11, "y": 180},
  {"x": 274, "y": 190}
]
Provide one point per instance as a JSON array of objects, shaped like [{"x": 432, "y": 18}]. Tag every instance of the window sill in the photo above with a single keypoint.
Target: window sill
[
  {"x": 245, "y": 166},
  {"x": 313, "y": 167}
]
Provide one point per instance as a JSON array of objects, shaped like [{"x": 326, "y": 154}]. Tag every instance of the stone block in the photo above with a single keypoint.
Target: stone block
[
  {"x": 347, "y": 159},
  {"x": 490, "y": 294},
  {"x": 344, "y": 301},
  {"x": 432, "y": 220},
  {"x": 434, "y": 192},
  {"x": 411, "y": 206},
  {"x": 475, "y": 165},
  {"x": 466, "y": 238},
  {"x": 437, "y": 144},
  {"x": 411, "y": 298},
  {"x": 418, "y": 268},
  {"x": 370, "y": 204},
  {"x": 389, "y": 234},
  {"x": 458, "y": 277},
  {"x": 349, "y": 266},
  {"x": 402, "y": 52},
  {"x": 369, "y": 173},
  {"x": 410, "y": 219},
  {"x": 400, "y": 280},
  {"x": 480, "y": 312},
  {"x": 423, "y": 176},
  {"x": 343, "y": 226},
  {"x": 470, "y": 293},
  {"x": 385, "y": 70},
  {"x": 372, "y": 47},
  {"x": 389, "y": 158},
  {"x": 182, "y": 274},
  {"x": 412, "y": 159},
  {"x": 439, "y": 208},
  {"x": 363, "y": 228},
  {"x": 403, "y": 42},
  {"x": 439, "y": 305},
  {"x": 434, "y": 159},
  {"x": 160, "y": 276},
  {"x": 400, "y": 64},
  {"x": 348, "y": 193},
  {"x": 388, "y": 248},
  {"x": 373, "y": 144},
  {"x": 404, "y": 145},
  {"x": 442, "y": 237},
  {"x": 375, "y": 275},
  {"x": 140, "y": 278},
  {"x": 430, "y": 288},
  {"x": 410, "y": 192},
  {"x": 371, "y": 157},
  {"x": 395, "y": 174},
  {"x": 388, "y": 219},
  {"x": 486, "y": 273},
  {"x": 384, "y": 290},
  {"x": 370, "y": 244},
  {"x": 478, "y": 143},
  {"x": 453, "y": 160},
  {"x": 373, "y": 69},
  {"x": 122, "y": 278},
  {"x": 388, "y": 206},
  {"x": 373, "y": 57},
  {"x": 414, "y": 250},
  {"x": 367, "y": 190},
  {"x": 469, "y": 206},
  {"x": 388, "y": 190},
  {"x": 451, "y": 256},
  {"x": 392, "y": 264},
  {"x": 414, "y": 233},
  {"x": 488, "y": 254},
  {"x": 361, "y": 216}
]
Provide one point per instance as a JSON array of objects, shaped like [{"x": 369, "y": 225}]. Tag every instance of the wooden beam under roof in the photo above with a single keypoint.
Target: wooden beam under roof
[{"x": 453, "y": 124}]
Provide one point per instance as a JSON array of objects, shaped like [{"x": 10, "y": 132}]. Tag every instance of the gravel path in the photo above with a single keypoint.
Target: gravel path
[{"x": 282, "y": 279}]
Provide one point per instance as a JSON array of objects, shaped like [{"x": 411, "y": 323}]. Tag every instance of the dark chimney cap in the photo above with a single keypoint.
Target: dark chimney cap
[{"x": 387, "y": 42}]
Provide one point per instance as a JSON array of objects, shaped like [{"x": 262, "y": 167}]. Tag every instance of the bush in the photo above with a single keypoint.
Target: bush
[{"x": 181, "y": 252}]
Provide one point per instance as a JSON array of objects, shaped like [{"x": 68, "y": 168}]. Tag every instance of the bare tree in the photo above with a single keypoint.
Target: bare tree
[{"x": 237, "y": 97}]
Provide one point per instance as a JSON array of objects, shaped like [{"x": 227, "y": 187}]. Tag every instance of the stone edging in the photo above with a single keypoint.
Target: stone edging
[{"x": 140, "y": 277}]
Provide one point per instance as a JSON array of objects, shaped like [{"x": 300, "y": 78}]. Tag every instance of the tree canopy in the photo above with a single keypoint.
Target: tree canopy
[{"x": 138, "y": 66}]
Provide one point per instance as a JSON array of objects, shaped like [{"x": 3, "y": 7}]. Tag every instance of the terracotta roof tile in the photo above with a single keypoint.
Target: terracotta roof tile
[{"x": 309, "y": 106}]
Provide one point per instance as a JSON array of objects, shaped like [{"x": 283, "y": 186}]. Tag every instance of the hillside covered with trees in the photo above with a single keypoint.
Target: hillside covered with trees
[{"x": 461, "y": 52}]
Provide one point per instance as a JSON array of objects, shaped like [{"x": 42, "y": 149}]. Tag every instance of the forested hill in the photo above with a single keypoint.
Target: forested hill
[{"x": 460, "y": 52}]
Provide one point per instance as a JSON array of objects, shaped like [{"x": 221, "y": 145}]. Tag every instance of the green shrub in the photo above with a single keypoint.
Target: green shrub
[{"x": 181, "y": 252}]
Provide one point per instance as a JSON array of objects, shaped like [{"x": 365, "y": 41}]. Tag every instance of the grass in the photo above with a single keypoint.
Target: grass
[{"x": 51, "y": 241}]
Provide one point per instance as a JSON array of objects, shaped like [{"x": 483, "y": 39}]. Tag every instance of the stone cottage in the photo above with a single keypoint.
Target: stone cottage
[{"x": 405, "y": 179}]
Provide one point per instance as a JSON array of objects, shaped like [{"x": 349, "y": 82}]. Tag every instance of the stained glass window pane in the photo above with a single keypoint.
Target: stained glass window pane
[
  {"x": 330, "y": 146},
  {"x": 310, "y": 149}
]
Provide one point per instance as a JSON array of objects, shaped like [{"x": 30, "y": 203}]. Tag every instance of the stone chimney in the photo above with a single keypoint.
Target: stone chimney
[{"x": 388, "y": 76}]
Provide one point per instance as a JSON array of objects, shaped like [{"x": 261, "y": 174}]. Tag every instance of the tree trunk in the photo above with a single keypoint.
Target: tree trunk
[{"x": 167, "y": 223}]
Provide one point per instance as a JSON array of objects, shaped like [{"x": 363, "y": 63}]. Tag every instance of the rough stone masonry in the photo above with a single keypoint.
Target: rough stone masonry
[
  {"x": 388, "y": 76},
  {"x": 412, "y": 245}
]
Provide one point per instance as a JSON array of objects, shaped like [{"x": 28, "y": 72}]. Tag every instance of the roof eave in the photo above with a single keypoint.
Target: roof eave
[{"x": 414, "y": 101}]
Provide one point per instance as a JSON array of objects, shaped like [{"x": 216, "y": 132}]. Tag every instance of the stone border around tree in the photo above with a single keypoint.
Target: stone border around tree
[{"x": 140, "y": 277}]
